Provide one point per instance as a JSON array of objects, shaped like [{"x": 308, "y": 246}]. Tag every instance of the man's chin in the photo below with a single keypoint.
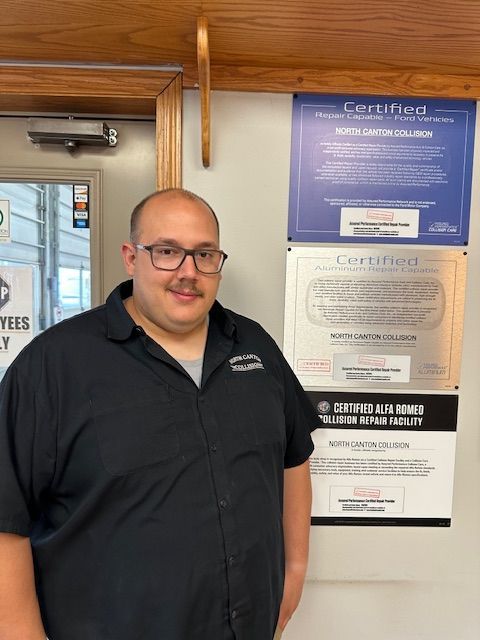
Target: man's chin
[{"x": 185, "y": 325}]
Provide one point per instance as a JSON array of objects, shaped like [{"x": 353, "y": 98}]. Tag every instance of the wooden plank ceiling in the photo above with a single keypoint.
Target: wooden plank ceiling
[{"x": 409, "y": 47}]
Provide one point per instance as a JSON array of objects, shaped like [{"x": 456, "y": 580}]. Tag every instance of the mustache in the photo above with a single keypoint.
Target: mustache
[{"x": 186, "y": 286}]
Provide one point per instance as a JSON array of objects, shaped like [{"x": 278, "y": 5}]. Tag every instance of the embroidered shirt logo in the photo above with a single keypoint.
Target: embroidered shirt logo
[{"x": 245, "y": 362}]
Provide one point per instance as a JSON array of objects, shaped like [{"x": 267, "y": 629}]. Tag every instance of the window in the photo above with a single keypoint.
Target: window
[{"x": 43, "y": 237}]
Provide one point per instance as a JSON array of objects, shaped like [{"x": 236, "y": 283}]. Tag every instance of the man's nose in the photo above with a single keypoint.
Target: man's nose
[{"x": 188, "y": 269}]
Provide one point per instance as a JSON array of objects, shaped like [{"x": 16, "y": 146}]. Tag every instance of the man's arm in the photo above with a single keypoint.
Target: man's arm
[
  {"x": 297, "y": 505},
  {"x": 19, "y": 611}
]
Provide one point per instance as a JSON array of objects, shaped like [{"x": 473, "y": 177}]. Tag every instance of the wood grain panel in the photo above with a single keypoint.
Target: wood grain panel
[
  {"x": 148, "y": 32},
  {"x": 169, "y": 135},
  {"x": 75, "y": 90},
  {"x": 97, "y": 12},
  {"x": 373, "y": 46},
  {"x": 203, "y": 64},
  {"x": 83, "y": 82},
  {"x": 79, "y": 105},
  {"x": 435, "y": 36},
  {"x": 365, "y": 35},
  {"x": 363, "y": 82}
]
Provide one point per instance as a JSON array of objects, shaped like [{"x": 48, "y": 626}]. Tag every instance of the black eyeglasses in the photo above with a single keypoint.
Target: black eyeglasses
[{"x": 170, "y": 258}]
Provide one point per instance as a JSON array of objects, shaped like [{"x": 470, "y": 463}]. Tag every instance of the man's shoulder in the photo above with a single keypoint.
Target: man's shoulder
[
  {"x": 85, "y": 322},
  {"x": 67, "y": 335},
  {"x": 248, "y": 330},
  {"x": 241, "y": 322},
  {"x": 244, "y": 321}
]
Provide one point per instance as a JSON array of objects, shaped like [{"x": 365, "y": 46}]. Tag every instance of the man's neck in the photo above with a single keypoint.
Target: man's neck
[
  {"x": 184, "y": 346},
  {"x": 188, "y": 345}
]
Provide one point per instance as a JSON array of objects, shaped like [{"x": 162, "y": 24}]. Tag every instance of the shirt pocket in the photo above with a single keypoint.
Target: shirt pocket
[
  {"x": 135, "y": 436},
  {"x": 257, "y": 406}
]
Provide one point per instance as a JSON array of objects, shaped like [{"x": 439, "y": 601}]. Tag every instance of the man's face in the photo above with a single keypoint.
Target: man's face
[{"x": 172, "y": 301}]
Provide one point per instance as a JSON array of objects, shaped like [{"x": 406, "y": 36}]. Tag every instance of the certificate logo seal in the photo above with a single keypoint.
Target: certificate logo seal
[{"x": 323, "y": 407}]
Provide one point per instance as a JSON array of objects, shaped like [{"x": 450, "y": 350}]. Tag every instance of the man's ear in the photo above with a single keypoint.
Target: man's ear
[{"x": 129, "y": 256}]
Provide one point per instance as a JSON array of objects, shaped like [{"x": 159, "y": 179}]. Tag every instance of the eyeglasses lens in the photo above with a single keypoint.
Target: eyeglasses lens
[{"x": 206, "y": 260}]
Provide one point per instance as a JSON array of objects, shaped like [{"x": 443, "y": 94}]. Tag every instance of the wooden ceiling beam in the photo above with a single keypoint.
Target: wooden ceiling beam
[{"x": 392, "y": 83}]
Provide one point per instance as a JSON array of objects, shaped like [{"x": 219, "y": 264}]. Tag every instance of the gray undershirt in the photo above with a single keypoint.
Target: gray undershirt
[{"x": 194, "y": 369}]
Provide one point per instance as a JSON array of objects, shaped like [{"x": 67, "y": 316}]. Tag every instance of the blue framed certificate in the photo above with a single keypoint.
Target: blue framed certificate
[{"x": 376, "y": 169}]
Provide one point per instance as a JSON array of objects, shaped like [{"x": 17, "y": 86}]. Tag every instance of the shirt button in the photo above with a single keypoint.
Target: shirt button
[
  {"x": 223, "y": 503},
  {"x": 234, "y": 614},
  {"x": 213, "y": 447},
  {"x": 231, "y": 560}
]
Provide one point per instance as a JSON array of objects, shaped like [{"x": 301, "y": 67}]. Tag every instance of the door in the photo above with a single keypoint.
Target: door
[{"x": 72, "y": 268}]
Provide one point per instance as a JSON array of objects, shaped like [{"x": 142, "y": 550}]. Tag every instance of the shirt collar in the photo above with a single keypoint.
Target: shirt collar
[
  {"x": 224, "y": 319},
  {"x": 120, "y": 324}
]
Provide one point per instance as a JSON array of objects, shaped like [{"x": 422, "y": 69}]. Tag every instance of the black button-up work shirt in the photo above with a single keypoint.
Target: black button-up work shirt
[{"x": 154, "y": 508}]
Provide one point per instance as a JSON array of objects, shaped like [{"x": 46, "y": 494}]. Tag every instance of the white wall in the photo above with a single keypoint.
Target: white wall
[
  {"x": 247, "y": 185},
  {"x": 377, "y": 583}
]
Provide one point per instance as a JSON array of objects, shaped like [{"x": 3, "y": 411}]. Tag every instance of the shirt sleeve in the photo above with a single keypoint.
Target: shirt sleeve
[
  {"x": 27, "y": 449},
  {"x": 300, "y": 416},
  {"x": 301, "y": 419}
]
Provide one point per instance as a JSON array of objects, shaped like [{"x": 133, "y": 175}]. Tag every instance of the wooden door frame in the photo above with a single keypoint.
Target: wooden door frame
[{"x": 113, "y": 90}]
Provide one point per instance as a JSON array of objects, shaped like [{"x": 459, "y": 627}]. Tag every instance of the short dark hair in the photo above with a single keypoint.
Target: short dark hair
[{"x": 183, "y": 193}]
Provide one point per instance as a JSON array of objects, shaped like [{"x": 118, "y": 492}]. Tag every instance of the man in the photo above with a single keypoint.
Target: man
[{"x": 149, "y": 451}]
